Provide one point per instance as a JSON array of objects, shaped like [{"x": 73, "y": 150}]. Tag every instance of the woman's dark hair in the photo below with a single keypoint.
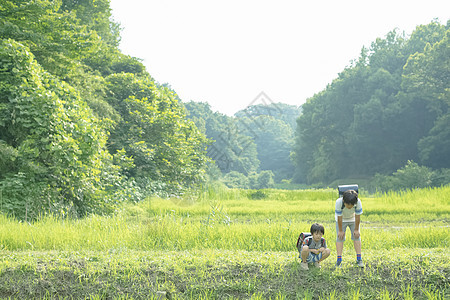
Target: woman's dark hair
[
  {"x": 350, "y": 197},
  {"x": 317, "y": 227}
]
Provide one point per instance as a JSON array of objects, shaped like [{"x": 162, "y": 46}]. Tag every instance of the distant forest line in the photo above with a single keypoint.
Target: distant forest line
[
  {"x": 84, "y": 127},
  {"x": 387, "y": 113}
]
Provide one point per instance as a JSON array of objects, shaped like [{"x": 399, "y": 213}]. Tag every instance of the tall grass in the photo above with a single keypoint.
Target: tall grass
[
  {"x": 171, "y": 233},
  {"x": 230, "y": 246},
  {"x": 239, "y": 224}
]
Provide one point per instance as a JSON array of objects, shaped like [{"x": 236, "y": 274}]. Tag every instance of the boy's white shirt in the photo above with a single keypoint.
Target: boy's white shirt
[{"x": 348, "y": 215}]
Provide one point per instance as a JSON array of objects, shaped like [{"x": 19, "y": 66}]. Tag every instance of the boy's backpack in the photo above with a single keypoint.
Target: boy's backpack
[
  {"x": 301, "y": 238},
  {"x": 343, "y": 188}
]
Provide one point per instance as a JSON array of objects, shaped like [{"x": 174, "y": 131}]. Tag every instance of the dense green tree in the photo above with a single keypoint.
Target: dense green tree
[
  {"x": 57, "y": 39},
  {"x": 57, "y": 109},
  {"x": 279, "y": 111},
  {"x": 324, "y": 129},
  {"x": 96, "y": 14},
  {"x": 55, "y": 147},
  {"x": 272, "y": 127},
  {"x": 106, "y": 58},
  {"x": 256, "y": 138},
  {"x": 273, "y": 138},
  {"x": 67, "y": 47},
  {"x": 230, "y": 147},
  {"x": 154, "y": 131},
  {"x": 427, "y": 77},
  {"x": 371, "y": 118}
]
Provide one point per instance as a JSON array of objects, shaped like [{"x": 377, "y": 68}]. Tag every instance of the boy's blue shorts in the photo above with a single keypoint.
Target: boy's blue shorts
[{"x": 313, "y": 257}]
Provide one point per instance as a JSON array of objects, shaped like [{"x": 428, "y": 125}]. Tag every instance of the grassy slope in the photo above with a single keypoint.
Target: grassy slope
[
  {"x": 219, "y": 274},
  {"x": 234, "y": 248}
]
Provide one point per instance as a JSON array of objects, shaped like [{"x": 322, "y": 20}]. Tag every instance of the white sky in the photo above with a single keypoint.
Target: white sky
[{"x": 227, "y": 52}]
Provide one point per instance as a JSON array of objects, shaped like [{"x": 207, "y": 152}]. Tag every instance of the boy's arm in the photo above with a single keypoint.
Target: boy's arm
[
  {"x": 357, "y": 221},
  {"x": 324, "y": 245},
  {"x": 341, "y": 231}
]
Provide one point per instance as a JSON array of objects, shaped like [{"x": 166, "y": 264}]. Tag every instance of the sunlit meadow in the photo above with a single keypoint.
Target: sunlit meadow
[{"x": 231, "y": 244}]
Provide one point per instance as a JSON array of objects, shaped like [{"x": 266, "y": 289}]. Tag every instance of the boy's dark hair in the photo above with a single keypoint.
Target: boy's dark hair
[
  {"x": 350, "y": 197},
  {"x": 317, "y": 227}
]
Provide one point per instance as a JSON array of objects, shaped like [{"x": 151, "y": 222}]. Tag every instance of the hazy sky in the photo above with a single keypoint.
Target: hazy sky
[{"x": 227, "y": 52}]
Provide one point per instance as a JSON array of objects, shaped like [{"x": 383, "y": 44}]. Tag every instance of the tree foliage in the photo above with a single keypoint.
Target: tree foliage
[
  {"x": 83, "y": 126},
  {"x": 390, "y": 106},
  {"x": 154, "y": 131},
  {"x": 273, "y": 139},
  {"x": 257, "y": 138},
  {"x": 426, "y": 78},
  {"x": 54, "y": 145},
  {"x": 229, "y": 146}
]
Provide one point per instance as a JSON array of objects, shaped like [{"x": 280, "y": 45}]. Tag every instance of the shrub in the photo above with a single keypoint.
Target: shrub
[
  {"x": 411, "y": 176},
  {"x": 440, "y": 177},
  {"x": 235, "y": 179},
  {"x": 257, "y": 195},
  {"x": 265, "y": 179}
]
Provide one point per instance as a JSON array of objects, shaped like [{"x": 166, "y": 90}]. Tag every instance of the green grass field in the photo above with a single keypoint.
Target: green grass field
[{"x": 230, "y": 244}]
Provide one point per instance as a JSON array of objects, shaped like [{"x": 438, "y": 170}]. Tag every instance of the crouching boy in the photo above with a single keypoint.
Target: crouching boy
[{"x": 314, "y": 247}]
